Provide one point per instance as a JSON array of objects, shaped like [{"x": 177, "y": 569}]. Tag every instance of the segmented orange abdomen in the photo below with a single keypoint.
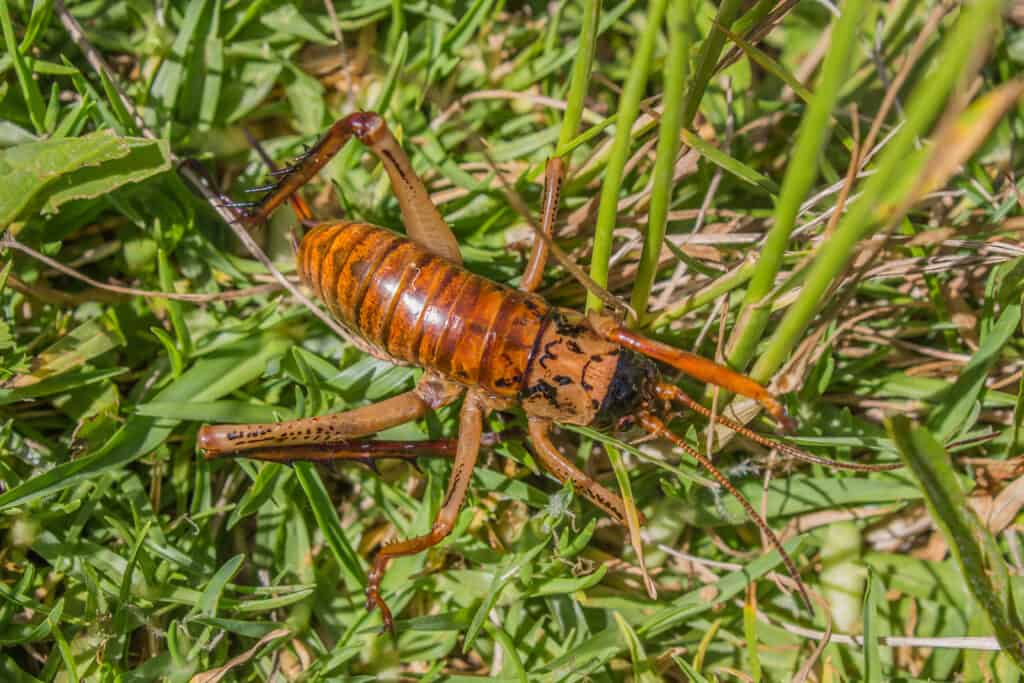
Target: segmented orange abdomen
[{"x": 417, "y": 307}]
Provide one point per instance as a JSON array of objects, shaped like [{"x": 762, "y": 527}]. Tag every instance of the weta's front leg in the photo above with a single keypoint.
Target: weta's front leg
[
  {"x": 563, "y": 470},
  {"x": 470, "y": 428}
]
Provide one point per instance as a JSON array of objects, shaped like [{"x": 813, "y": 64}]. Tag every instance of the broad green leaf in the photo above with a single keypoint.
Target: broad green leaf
[
  {"x": 43, "y": 175},
  {"x": 145, "y": 159}
]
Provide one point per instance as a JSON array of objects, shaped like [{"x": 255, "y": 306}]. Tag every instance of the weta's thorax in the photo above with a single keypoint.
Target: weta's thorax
[{"x": 578, "y": 377}]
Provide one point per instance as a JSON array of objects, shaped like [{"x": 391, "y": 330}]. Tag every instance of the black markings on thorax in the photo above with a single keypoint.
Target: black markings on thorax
[
  {"x": 544, "y": 389},
  {"x": 565, "y": 328},
  {"x": 502, "y": 382},
  {"x": 548, "y": 354}
]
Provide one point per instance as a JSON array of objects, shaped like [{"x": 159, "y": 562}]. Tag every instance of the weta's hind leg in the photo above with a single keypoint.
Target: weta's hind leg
[
  {"x": 313, "y": 431},
  {"x": 366, "y": 451},
  {"x": 563, "y": 470},
  {"x": 470, "y": 428},
  {"x": 422, "y": 220}
]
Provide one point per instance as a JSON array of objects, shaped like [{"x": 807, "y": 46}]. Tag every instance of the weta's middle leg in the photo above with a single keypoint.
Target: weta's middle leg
[{"x": 470, "y": 428}]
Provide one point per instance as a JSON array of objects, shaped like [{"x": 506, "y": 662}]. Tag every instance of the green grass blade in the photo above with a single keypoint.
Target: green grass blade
[
  {"x": 327, "y": 519},
  {"x": 680, "y": 26},
  {"x": 600, "y": 648},
  {"x": 976, "y": 552},
  {"x": 210, "y": 598},
  {"x": 629, "y": 107},
  {"x": 874, "y": 598},
  {"x": 730, "y": 164},
  {"x": 707, "y": 61},
  {"x": 215, "y": 375},
  {"x": 643, "y": 671},
  {"x": 924, "y": 104},
  {"x": 722, "y": 285},
  {"x": 773, "y": 66},
  {"x": 753, "y": 654},
  {"x": 29, "y": 88},
  {"x": 801, "y": 172},
  {"x": 579, "y": 82},
  {"x": 949, "y": 417}
]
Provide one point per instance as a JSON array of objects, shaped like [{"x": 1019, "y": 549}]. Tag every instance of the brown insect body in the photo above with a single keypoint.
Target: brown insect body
[
  {"x": 412, "y": 306},
  {"x": 408, "y": 300}
]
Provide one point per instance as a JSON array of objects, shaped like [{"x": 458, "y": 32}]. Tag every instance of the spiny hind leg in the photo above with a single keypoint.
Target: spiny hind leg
[
  {"x": 554, "y": 175},
  {"x": 366, "y": 451},
  {"x": 564, "y": 470},
  {"x": 423, "y": 221},
  {"x": 470, "y": 428},
  {"x": 335, "y": 427}
]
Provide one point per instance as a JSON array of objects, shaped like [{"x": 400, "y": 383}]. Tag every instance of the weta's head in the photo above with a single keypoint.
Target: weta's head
[{"x": 632, "y": 386}]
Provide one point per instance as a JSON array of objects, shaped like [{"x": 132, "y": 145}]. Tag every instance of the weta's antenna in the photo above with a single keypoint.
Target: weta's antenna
[
  {"x": 670, "y": 392},
  {"x": 656, "y": 427}
]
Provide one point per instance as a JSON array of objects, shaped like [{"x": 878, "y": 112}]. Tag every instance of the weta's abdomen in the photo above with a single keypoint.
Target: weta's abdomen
[{"x": 422, "y": 309}]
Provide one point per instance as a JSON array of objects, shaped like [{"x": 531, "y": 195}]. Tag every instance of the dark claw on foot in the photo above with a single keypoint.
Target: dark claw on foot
[{"x": 373, "y": 600}]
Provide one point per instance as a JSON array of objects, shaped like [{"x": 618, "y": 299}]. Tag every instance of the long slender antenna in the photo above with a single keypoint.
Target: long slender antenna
[
  {"x": 656, "y": 427},
  {"x": 670, "y": 392}
]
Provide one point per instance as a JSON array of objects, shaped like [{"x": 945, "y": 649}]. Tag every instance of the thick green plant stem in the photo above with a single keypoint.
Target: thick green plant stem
[
  {"x": 680, "y": 21},
  {"x": 923, "y": 106},
  {"x": 801, "y": 172},
  {"x": 629, "y": 107}
]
